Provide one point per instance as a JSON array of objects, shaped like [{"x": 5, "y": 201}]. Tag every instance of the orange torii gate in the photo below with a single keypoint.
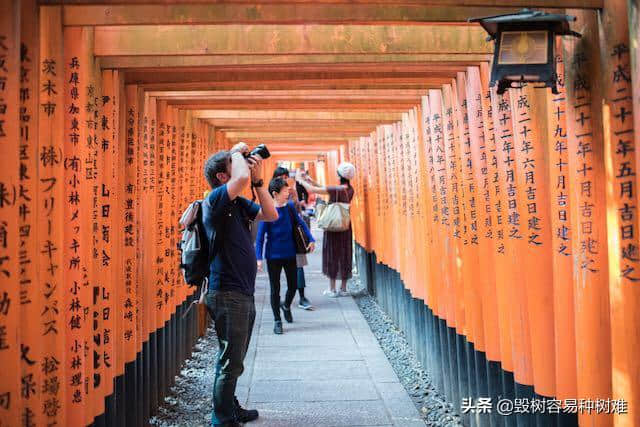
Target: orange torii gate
[{"x": 499, "y": 231}]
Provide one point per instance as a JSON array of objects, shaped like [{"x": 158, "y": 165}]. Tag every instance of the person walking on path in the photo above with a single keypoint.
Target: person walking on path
[
  {"x": 226, "y": 218},
  {"x": 301, "y": 259},
  {"x": 337, "y": 249},
  {"x": 280, "y": 251}
]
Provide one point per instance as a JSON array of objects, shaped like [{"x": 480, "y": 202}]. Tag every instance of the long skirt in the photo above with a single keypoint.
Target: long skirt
[{"x": 337, "y": 252}]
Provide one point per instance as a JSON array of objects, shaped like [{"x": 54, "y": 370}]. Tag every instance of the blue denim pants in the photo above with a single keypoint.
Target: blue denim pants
[{"x": 233, "y": 314}]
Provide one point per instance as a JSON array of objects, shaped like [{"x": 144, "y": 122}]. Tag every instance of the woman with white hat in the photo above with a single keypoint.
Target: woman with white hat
[{"x": 337, "y": 246}]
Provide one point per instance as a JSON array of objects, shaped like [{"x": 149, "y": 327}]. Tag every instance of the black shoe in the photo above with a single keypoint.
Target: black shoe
[
  {"x": 287, "y": 313},
  {"x": 245, "y": 415},
  {"x": 277, "y": 327}
]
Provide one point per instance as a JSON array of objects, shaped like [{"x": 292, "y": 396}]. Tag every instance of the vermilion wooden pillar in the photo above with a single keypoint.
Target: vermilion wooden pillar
[
  {"x": 131, "y": 236},
  {"x": 30, "y": 295},
  {"x": 621, "y": 172},
  {"x": 498, "y": 221},
  {"x": 439, "y": 195},
  {"x": 77, "y": 237},
  {"x": 94, "y": 168},
  {"x": 590, "y": 248},
  {"x": 175, "y": 199},
  {"x": 562, "y": 197},
  {"x": 450, "y": 96},
  {"x": 513, "y": 228},
  {"x": 419, "y": 205},
  {"x": 432, "y": 210},
  {"x": 10, "y": 381},
  {"x": 161, "y": 218},
  {"x": 129, "y": 189},
  {"x": 381, "y": 252},
  {"x": 454, "y": 230},
  {"x": 487, "y": 279},
  {"x": 529, "y": 109},
  {"x": 403, "y": 190},
  {"x": 473, "y": 303},
  {"x": 108, "y": 212}
]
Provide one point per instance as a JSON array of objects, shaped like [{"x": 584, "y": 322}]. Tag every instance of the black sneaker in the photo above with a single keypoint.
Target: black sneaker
[
  {"x": 305, "y": 304},
  {"x": 245, "y": 415},
  {"x": 277, "y": 327},
  {"x": 287, "y": 313}
]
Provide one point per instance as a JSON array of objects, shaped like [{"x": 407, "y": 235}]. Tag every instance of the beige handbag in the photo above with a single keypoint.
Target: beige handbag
[{"x": 335, "y": 217}]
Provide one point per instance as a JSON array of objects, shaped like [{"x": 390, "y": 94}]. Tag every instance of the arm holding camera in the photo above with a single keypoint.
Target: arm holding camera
[
  {"x": 268, "y": 210},
  {"x": 247, "y": 168},
  {"x": 240, "y": 171}
]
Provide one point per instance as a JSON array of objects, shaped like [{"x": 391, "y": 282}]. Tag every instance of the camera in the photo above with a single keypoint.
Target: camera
[{"x": 261, "y": 150}]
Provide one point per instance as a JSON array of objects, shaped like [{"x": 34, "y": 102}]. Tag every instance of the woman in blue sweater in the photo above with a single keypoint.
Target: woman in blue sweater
[{"x": 280, "y": 251}]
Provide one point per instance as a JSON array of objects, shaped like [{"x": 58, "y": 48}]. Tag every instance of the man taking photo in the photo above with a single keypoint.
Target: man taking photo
[{"x": 230, "y": 301}]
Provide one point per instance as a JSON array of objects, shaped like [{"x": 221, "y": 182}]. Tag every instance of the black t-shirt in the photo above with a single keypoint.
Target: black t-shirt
[{"x": 234, "y": 265}]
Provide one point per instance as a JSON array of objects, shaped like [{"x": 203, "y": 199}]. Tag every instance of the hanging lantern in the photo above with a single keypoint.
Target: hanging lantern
[{"x": 524, "y": 47}]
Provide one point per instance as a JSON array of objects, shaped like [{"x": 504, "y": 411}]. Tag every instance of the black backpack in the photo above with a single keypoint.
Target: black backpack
[
  {"x": 195, "y": 248},
  {"x": 198, "y": 249}
]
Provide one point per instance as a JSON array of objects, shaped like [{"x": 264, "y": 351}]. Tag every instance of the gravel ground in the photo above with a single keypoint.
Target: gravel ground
[
  {"x": 189, "y": 403},
  {"x": 430, "y": 403}
]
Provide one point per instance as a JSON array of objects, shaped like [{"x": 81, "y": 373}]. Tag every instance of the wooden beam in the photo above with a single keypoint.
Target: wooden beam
[
  {"x": 408, "y": 94},
  {"x": 247, "y": 123},
  {"x": 577, "y": 4},
  {"x": 388, "y": 83},
  {"x": 293, "y": 115},
  {"x": 315, "y": 79},
  {"x": 285, "y": 105},
  {"x": 291, "y": 134},
  {"x": 167, "y": 40},
  {"x": 327, "y": 129},
  {"x": 302, "y": 147},
  {"x": 128, "y": 62},
  {"x": 276, "y": 71},
  {"x": 230, "y": 13},
  {"x": 294, "y": 138}
]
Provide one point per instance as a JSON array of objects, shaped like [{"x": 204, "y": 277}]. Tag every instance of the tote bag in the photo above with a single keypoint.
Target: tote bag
[{"x": 335, "y": 217}]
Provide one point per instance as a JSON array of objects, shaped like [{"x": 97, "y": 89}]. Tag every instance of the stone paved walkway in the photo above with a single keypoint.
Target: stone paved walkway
[{"x": 327, "y": 369}]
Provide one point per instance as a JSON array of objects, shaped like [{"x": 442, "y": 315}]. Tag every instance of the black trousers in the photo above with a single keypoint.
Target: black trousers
[
  {"x": 233, "y": 314},
  {"x": 274, "y": 268}
]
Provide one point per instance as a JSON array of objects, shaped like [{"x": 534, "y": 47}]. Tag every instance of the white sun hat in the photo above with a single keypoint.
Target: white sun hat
[{"x": 346, "y": 170}]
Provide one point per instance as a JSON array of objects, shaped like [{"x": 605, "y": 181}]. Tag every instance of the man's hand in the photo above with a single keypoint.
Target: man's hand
[
  {"x": 255, "y": 165},
  {"x": 260, "y": 265},
  {"x": 311, "y": 247},
  {"x": 241, "y": 148}
]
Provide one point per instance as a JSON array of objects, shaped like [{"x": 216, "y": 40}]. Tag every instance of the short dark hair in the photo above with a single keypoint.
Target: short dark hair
[
  {"x": 276, "y": 185},
  {"x": 215, "y": 164},
  {"x": 280, "y": 171}
]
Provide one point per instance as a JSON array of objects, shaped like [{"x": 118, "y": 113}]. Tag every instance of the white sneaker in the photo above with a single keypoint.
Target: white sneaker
[
  {"x": 344, "y": 293},
  {"x": 330, "y": 293}
]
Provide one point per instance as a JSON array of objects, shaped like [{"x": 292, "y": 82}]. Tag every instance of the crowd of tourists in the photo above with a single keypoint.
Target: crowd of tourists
[{"x": 282, "y": 240}]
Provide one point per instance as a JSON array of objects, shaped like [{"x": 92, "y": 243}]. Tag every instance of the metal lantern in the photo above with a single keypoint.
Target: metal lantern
[{"x": 524, "y": 47}]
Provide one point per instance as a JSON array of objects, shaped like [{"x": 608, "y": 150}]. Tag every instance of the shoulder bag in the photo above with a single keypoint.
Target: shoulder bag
[
  {"x": 335, "y": 217},
  {"x": 299, "y": 236}
]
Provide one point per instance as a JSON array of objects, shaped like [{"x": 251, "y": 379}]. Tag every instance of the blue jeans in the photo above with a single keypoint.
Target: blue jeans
[{"x": 234, "y": 314}]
